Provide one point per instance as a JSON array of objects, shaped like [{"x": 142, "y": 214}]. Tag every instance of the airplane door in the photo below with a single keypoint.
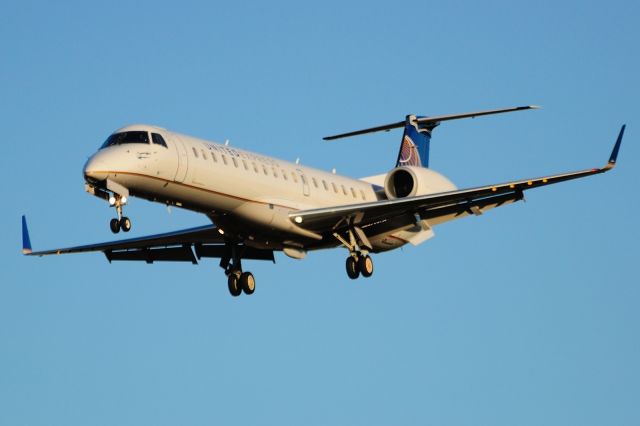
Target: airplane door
[
  {"x": 183, "y": 159},
  {"x": 305, "y": 183}
]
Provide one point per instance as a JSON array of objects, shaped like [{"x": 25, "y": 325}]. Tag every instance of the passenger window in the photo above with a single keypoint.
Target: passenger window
[
  {"x": 344, "y": 190},
  {"x": 353, "y": 192},
  {"x": 204, "y": 155},
  {"x": 235, "y": 162},
  {"x": 158, "y": 139},
  {"x": 195, "y": 152},
  {"x": 324, "y": 183},
  {"x": 284, "y": 175},
  {"x": 244, "y": 163},
  {"x": 335, "y": 188},
  {"x": 255, "y": 167},
  {"x": 295, "y": 178},
  {"x": 315, "y": 182},
  {"x": 264, "y": 170},
  {"x": 362, "y": 194},
  {"x": 213, "y": 156},
  {"x": 275, "y": 172},
  {"x": 224, "y": 159}
]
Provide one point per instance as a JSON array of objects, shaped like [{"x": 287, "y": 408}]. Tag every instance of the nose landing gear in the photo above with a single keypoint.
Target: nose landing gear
[{"x": 121, "y": 222}]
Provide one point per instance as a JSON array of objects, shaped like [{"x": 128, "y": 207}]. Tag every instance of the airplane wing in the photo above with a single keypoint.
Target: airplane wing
[
  {"x": 187, "y": 245},
  {"x": 436, "y": 208}
]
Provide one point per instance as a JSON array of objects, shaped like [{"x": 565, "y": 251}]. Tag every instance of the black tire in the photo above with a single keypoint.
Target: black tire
[
  {"x": 114, "y": 225},
  {"x": 247, "y": 283},
  {"x": 365, "y": 265},
  {"x": 125, "y": 224},
  {"x": 352, "y": 267},
  {"x": 234, "y": 285}
]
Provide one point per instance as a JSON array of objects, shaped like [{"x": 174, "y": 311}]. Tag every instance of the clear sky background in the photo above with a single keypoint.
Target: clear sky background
[{"x": 526, "y": 315}]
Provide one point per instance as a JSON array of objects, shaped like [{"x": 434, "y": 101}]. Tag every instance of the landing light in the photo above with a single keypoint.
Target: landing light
[
  {"x": 221, "y": 231},
  {"x": 123, "y": 200},
  {"x": 298, "y": 219},
  {"x": 112, "y": 200}
]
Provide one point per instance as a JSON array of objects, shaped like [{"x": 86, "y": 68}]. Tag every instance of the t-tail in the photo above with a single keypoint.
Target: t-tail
[{"x": 414, "y": 147}]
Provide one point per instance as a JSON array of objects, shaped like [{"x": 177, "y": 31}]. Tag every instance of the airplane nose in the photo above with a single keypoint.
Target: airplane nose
[{"x": 95, "y": 169}]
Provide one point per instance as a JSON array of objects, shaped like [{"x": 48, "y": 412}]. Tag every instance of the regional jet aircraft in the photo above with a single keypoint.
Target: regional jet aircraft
[{"x": 258, "y": 205}]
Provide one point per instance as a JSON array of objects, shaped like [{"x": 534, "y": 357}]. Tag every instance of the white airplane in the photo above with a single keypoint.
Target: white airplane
[{"x": 259, "y": 204}]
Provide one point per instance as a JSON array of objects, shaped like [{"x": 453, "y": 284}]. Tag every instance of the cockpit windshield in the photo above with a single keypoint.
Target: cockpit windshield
[{"x": 126, "y": 137}]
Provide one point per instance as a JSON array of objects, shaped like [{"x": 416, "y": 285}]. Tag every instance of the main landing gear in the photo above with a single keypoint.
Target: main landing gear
[
  {"x": 237, "y": 280},
  {"x": 359, "y": 263},
  {"x": 121, "y": 222}
]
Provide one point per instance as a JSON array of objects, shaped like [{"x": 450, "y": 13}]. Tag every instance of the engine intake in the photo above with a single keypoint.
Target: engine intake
[{"x": 409, "y": 181}]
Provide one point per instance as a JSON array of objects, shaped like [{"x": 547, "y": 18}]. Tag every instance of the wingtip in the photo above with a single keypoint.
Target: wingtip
[
  {"x": 616, "y": 148},
  {"x": 535, "y": 107},
  {"x": 26, "y": 241}
]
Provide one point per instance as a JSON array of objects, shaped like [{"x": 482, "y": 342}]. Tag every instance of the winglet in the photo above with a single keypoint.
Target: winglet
[
  {"x": 614, "y": 154},
  {"x": 26, "y": 242}
]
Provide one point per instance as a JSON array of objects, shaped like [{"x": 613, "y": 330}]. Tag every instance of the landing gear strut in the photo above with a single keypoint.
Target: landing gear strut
[{"x": 237, "y": 281}]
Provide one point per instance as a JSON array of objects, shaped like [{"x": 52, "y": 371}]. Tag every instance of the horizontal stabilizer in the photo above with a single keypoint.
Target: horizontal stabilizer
[{"x": 434, "y": 120}]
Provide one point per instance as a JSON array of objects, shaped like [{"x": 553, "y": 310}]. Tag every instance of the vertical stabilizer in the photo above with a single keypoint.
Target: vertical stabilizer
[{"x": 414, "y": 147}]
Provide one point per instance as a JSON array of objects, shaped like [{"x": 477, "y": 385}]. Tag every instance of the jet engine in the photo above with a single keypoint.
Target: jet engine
[{"x": 409, "y": 181}]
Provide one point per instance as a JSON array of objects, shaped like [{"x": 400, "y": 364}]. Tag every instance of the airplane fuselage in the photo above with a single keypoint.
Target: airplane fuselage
[{"x": 249, "y": 194}]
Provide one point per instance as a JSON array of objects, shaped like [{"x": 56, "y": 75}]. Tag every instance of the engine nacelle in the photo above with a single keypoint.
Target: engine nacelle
[{"x": 409, "y": 181}]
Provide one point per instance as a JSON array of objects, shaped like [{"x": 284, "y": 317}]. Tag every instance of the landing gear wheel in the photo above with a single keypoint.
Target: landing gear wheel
[
  {"x": 114, "y": 225},
  {"x": 234, "y": 284},
  {"x": 365, "y": 265},
  {"x": 247, "y": 283},
  {"x": 125, "y": 224},
  {"x": 352, "y": 267}
]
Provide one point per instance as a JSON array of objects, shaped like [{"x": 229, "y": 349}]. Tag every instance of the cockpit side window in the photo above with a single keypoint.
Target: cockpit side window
[
  {"x": 158, "y": 139},
  {"x": 126, "y": 137}
]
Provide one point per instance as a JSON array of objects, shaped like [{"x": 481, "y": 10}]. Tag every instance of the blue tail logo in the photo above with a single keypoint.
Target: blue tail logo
[{"x": 414, "y": 148}]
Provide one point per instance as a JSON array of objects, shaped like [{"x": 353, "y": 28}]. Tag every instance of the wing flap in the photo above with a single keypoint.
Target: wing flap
[{"x": 150, "y": 255}]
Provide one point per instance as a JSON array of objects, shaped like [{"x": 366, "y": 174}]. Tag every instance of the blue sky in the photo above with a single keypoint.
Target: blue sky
[{"x": 527, "y": 315}]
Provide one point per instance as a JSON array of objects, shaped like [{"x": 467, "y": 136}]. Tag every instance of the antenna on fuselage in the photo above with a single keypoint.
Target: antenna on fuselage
[{"x": 226, "y": 142}]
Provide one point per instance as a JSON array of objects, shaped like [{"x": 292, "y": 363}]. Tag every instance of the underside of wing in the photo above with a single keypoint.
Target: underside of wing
[{"x": 187, "y": 245}]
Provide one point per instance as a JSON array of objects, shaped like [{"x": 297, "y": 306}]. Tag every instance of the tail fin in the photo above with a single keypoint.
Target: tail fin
[{"x": 414, "y": 147}]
